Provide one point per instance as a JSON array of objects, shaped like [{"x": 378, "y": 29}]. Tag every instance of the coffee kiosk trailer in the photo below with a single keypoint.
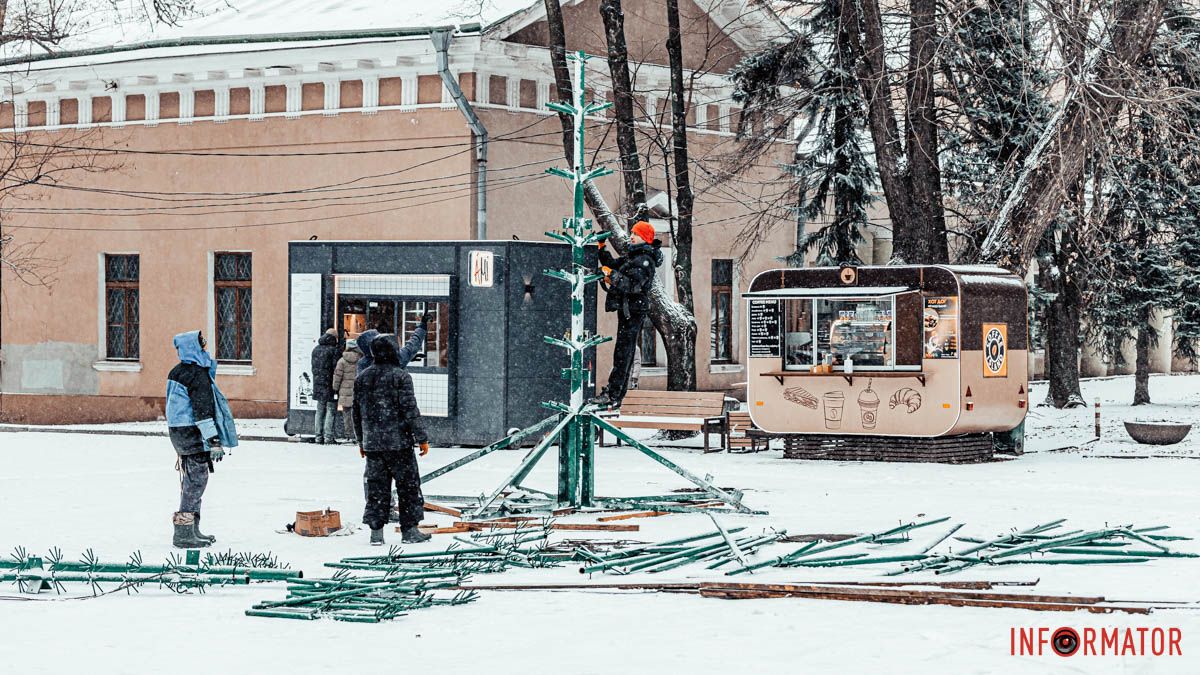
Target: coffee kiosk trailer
[
  {"x": 486, "y": 367},
  {"x": 904, "y": 363}
]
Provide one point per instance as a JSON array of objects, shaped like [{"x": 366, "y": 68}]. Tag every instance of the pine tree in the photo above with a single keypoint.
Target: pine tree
[
  {"x": 1149, "y": 204},
  {"x": 833, "y": 166},
  {"x": 998, "y": 82}
]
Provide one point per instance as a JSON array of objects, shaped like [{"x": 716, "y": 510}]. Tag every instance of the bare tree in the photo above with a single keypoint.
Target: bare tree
[
  {"x": 29, "y": 159},
  {"x": 676, "y": 325},
  {"x": 1091, "y": 103}
]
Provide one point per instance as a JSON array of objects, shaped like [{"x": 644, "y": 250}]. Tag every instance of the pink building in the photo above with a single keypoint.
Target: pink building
[{"x": 174, "y": 172}]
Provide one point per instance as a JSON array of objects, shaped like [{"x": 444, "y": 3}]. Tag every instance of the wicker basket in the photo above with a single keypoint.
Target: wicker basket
[{"x": 318, "y": 523}]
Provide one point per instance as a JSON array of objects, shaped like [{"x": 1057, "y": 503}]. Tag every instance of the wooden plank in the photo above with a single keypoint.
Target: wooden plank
[
  {"x": 440, "y": 530},
  {"x": 667, "y": 394},
  {"x": 731, "y": 594},
  {"x": 438, "y": 508},
  {"x": 639, "y": 514}
]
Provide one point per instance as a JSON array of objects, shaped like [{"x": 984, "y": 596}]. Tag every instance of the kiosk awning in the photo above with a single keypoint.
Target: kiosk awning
[{"x": 831, "y": 292}]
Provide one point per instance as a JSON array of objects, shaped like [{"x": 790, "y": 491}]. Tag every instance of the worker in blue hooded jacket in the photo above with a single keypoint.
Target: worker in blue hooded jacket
[{"x": 201, "y": 427}]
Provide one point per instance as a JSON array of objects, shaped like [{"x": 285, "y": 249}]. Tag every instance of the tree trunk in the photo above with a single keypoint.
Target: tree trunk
[
  {"x": 1057, "y": 161},
  {"x": 684, "y": 199},
  {"x": 924, "y": 170},
  {"x": 618, "y": 65},
  {"x": 1062, "y": 324},
  {"x": 1141, "y": 373},
  {"x": 683, "y": 350},
  {"x": 562, "y": 74},
  {"x": 676, "y": 325},
  {"x": 862, "y": 24}
]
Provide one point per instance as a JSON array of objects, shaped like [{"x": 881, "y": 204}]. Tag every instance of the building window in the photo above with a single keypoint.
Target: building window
[
  {"x": 121, "y": 307},
  {"x": 234, "y": 302},
  {"x": 721, "y": 324},
  {"x": 648, "y": 344}
]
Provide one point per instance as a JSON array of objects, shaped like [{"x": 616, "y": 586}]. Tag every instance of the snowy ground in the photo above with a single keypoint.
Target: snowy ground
[{"x": 115, "y": 494}]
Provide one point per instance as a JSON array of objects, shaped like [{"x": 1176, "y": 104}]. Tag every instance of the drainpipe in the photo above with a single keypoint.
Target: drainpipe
[{"x": 441, "y": 42}]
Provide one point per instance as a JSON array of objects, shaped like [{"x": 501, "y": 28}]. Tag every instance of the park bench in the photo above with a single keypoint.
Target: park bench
[
  {"x": 741, "y": 434},
  {"x": 702, "y": 411}
]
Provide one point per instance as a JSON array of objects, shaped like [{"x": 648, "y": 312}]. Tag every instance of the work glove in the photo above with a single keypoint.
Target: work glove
[
  {"x": 425, "y": 319},
  {"x": 424, "y": 449},
  {"x": 215, "y": 452},
  {"x": 607, "y": 272}
]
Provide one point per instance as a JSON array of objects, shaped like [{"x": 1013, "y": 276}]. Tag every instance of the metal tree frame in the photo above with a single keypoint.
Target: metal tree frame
[{"x": 574, "y": 426}]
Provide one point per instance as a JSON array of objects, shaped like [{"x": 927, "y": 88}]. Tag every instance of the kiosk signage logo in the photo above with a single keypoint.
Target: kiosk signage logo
[
  {"x": 995, "y": 350},
  {"x": 481, "y": 269}
]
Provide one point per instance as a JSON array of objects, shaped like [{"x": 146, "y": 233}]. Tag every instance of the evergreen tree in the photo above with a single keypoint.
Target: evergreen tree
[
  {"x": 998, "y": 81},
  {"x": 833, "y": 166}
]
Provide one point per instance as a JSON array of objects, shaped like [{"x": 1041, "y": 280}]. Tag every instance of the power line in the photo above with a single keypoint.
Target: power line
[
  {"x": 245, "y": 225},
  {"x": 134, "y": 212}
]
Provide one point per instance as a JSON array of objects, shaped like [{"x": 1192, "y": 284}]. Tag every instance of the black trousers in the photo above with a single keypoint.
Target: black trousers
[
  {"x": 629, "y": 331},
  {"x": 384, "y": 468}
]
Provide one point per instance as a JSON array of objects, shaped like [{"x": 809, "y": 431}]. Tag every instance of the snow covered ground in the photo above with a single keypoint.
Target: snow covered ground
[{"x": 115, "y": 495}]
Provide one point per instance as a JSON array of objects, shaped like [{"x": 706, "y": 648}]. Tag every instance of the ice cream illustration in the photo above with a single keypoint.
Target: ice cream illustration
[{"x": 868, "y": 405}]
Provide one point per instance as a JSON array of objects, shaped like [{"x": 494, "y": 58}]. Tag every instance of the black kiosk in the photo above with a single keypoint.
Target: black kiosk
[{"x": 486, "y": 368}]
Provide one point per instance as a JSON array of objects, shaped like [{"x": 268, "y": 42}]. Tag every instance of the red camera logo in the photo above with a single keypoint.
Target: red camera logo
[{"x": 1066, "y": 641}]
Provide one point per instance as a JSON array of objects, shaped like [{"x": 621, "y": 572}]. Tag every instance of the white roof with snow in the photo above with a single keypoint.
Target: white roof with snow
[{"x": 109, "y": 27}]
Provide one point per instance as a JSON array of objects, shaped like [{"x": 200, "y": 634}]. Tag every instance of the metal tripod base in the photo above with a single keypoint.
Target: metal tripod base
[{"x": 575, "y": 435}]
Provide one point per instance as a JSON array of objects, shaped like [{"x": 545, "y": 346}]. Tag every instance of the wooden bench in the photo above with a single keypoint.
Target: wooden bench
[
  {"x": 702, "y": 411},
  {"x": 742, "y": 435}
]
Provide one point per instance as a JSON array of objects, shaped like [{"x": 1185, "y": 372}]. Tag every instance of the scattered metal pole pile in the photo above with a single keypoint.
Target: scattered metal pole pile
[
  {"x": 402, "y": 582},
  {"x": 1048, "y": 545},
  {"x": 1045, "y": 544},
  {"x": 717, "y": 548},
  {"x": 34, "y": 573},
  {"x": 364, "y": 599}
]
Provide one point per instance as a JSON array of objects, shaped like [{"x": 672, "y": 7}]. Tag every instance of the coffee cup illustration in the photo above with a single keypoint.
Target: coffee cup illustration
[
  {"x": 868, "y": 405},
  {"x": 834, "y": 402}
]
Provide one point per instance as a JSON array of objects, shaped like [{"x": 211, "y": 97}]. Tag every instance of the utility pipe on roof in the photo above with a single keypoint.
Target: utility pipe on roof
[{"x": 441, "y": 42}]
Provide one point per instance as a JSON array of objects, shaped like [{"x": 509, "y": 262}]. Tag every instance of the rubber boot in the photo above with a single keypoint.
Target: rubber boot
[
  {"x": 200, "y": 535},
  {"x": 411, "y": 535},
  {"x": 377, "y": 537},
  {"x": 185, "y": 531}
]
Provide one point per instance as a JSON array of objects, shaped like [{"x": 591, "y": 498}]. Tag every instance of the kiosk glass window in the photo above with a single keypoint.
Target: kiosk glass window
[
  {"x": 860, "y": 330},
  {"x": 437, "y": 339},
  {"x": 798, "y": 348}
]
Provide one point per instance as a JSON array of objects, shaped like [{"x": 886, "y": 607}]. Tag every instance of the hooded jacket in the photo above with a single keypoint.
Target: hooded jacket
[
  {"x": 324, "y": 358},
  {"x": 343, "y": 376},
  {"x": 386, "y": 414},
  {"x": 632, "y": 276},
  {"x": 193, "y": 399},
  {"x": 414, "y": 346}
]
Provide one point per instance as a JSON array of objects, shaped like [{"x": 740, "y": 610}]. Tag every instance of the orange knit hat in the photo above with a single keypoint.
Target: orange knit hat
[{"x": 644, "y": 230}]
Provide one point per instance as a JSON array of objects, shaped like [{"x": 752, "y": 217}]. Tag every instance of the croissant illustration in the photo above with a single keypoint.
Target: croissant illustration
[{"x": 908, "y": 397}]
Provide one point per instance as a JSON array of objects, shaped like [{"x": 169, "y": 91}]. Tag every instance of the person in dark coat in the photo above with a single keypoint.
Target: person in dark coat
[
  {"x": 387, "y": 422},
  {"x": 200, "y": 425},
  {"x": 324, "y": 359},
  {"x": 343, "y": 384},
  {"x": 628, "y": 282}
]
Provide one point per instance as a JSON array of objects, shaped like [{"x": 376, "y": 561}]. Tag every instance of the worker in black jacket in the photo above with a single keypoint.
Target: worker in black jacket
[
  {"x": 388, "y": 425},
  {"x": 628, "y": 281}
]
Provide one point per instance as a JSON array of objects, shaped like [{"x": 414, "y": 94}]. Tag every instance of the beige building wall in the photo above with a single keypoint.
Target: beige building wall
[{"x": 51, "y": 359}]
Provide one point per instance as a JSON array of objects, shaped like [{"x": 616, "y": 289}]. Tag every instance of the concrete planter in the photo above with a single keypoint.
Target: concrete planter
[{"x": 1157, "y": 433}]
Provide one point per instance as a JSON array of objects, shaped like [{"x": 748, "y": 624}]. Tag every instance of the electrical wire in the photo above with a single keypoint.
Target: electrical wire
[{"x": 249, "y": 225}]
